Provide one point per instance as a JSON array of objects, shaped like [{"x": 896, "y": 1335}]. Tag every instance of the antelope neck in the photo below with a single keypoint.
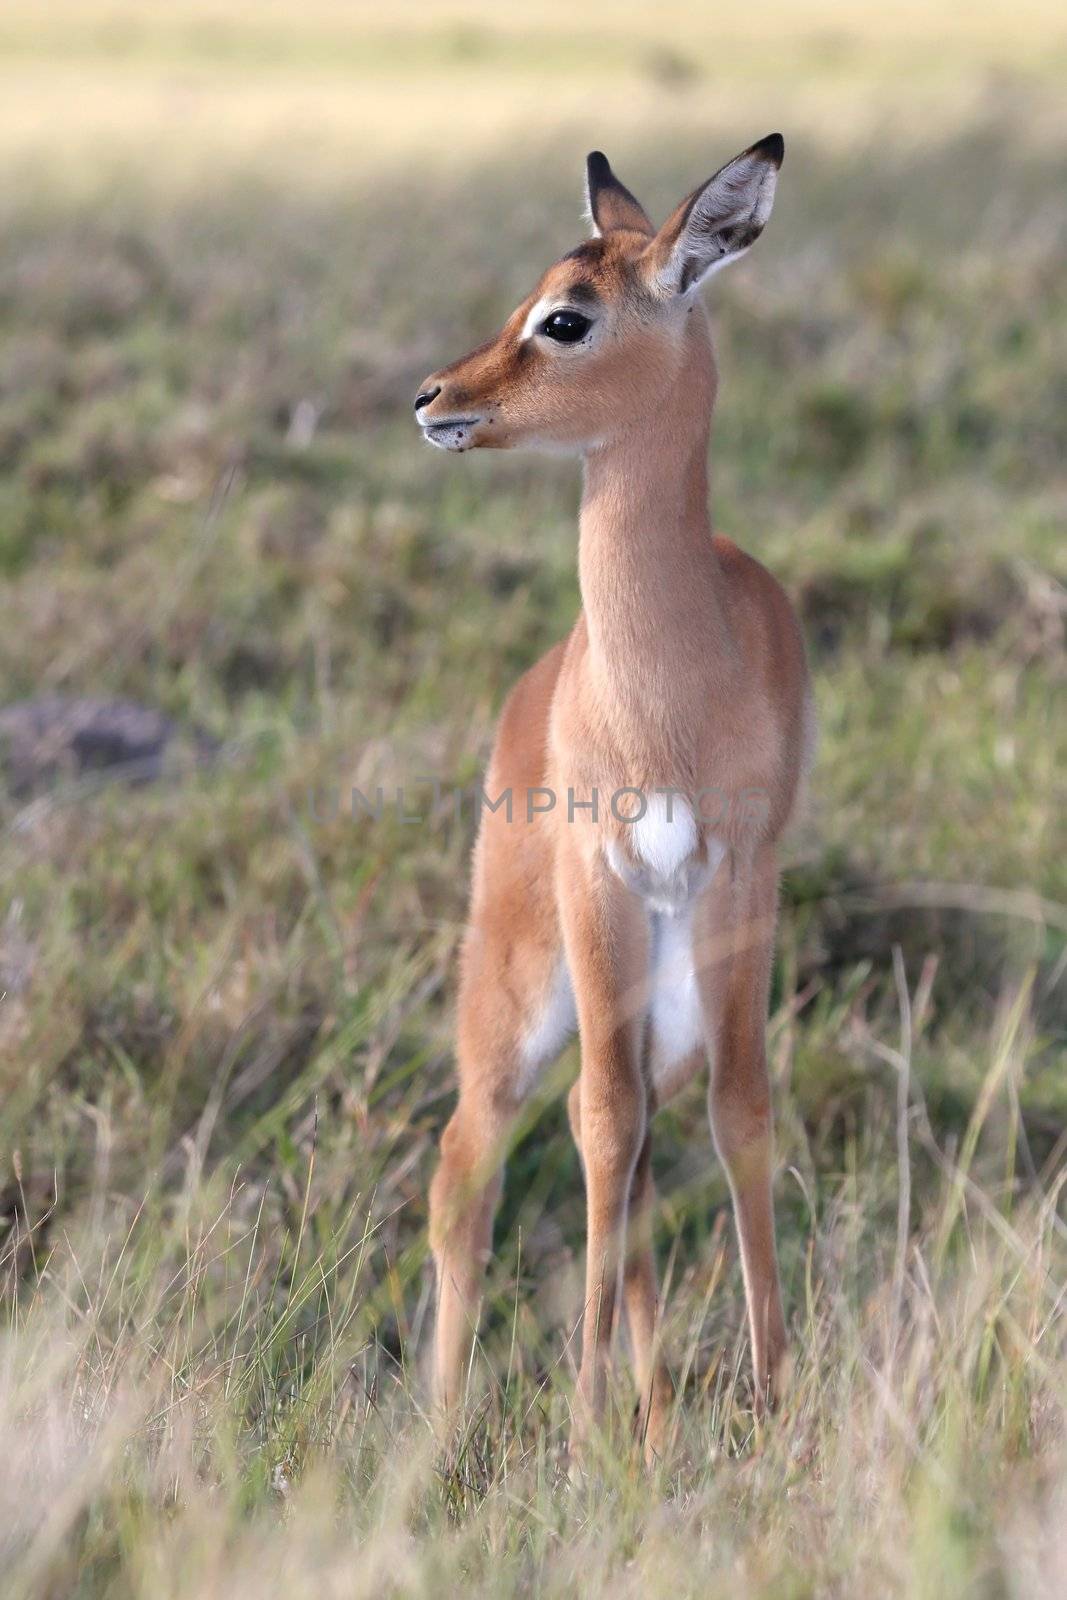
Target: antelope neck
[{"x": 651, "y": 582}]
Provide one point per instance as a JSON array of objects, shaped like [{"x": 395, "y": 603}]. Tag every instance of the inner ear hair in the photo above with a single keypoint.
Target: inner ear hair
[{"x": 719, "y": 221}]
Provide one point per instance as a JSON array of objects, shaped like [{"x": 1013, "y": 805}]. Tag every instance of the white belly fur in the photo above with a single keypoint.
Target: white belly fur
[
  {"x": 553, "y": 1025},
  {"x": 674, "y": 1010}
]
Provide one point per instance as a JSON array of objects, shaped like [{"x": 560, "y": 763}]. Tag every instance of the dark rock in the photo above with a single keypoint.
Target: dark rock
[{"x": 57, "y": 737}]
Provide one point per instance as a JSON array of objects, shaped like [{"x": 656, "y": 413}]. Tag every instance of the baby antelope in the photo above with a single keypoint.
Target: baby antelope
[{"x": 653, "y": 758}]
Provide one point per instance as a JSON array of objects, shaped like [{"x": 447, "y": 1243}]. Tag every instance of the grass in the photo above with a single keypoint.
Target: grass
[{"x": 225, "y": 1025}]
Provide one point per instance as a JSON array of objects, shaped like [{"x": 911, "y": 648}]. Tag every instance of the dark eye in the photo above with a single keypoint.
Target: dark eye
[{"x": 566, "y": 327}]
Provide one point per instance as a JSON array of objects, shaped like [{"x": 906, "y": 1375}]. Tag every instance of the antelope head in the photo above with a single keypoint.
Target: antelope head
[{"x": 598, "y": 343}]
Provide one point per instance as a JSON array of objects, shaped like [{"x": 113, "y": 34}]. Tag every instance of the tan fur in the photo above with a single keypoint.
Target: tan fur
[{"x": 685, "y": 671}]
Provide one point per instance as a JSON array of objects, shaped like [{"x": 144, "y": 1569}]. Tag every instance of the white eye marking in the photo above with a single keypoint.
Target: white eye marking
[
  {"x": 546, "y": 307},
  {"x": 537, "y": 315}
]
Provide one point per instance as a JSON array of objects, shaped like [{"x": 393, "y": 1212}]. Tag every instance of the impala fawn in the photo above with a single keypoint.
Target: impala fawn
[{"x": 664, "y": 740}]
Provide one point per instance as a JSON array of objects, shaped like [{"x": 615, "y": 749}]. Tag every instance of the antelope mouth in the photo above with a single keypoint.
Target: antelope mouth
[{"x": 453, "y": 433}]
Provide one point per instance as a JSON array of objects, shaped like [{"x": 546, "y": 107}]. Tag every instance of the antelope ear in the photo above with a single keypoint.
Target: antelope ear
[
  {"x": 718, "y": 222},
  {"x": 608, "y": 202}
]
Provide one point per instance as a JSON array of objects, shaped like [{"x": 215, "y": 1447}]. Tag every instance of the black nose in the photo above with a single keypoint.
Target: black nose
[{"x": 426, "y": 396}]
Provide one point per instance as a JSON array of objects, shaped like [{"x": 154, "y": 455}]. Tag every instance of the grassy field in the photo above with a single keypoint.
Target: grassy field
[{"x": 231, "y": 242}]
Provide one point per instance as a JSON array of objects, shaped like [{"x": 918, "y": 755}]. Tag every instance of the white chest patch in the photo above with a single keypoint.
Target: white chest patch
[
  {"x": 666, "y": 836},
  {"x": 659, "y": 858}
]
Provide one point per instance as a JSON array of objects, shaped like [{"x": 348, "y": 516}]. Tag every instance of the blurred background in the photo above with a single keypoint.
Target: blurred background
[{"x": 234, "y": 585}]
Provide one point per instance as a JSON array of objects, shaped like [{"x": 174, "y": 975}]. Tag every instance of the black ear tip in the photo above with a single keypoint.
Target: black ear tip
[
  {"x": 772, "y": 148},
  {"x": 597, "y": 166}
]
